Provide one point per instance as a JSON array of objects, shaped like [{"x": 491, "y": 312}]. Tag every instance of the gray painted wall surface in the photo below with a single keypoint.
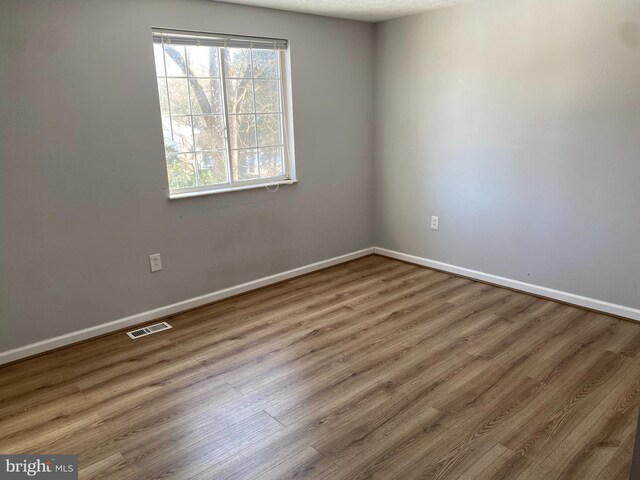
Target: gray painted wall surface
[
  {"x": 82, "y": 163},
  {"x": 518, "y": 123}
]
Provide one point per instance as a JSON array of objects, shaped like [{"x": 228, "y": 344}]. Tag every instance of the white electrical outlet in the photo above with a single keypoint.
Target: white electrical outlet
[
  {"x": 435, "y": 223},
  {"x": 155, "y": 262}
]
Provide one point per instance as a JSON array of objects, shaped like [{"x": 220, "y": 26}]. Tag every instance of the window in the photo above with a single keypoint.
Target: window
[{"x": 224, "y": 111}]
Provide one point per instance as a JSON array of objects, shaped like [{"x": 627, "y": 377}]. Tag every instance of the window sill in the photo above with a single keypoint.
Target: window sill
[{"x": 200, "y": 193}]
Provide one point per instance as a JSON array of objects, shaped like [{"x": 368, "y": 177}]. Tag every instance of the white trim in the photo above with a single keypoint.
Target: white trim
[
  {"x": 578, "y": 300},
  {"x": 161, "y": 312},
  {"x": 204, "y": 191},
  {"x": 79, "y": 335}
]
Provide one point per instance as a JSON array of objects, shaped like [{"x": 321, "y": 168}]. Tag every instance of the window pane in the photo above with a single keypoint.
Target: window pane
[
  {"x": 179, "y": 96},
  {"x": 209, "y": 132},
  {"x": 265, "y": 64},
  {"x": 237, "y": 62},
  {"x": 175, "y": 57},
  {"x": 159, "y": 58},
  {"x": 182, "y": 140},
  {"x": 271, "y": 162},
  {"x": 267, "y": 96},
  {"x": 162, "y": 94},
  {"x": 181, "y": 170},
  {"x": 240, "y": 96},
  {"x": 203, "y": 61},
  {"x": 212, "y": 168},
  {"x": 269, "y": 130},
  {"x": 205, "y": 96},
  {"x": 244, "y": 164},
  {"x": 166, "y": 131},
  {"x": 242, "y": 131},
  {"x": 218, "y": 133}
]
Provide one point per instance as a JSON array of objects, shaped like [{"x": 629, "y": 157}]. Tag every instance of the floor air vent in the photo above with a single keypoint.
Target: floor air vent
[{"x": 141, "y": 332}]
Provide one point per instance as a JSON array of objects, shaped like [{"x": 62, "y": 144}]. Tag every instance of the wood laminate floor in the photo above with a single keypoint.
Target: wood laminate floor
[{"x": 370, "y": 369}]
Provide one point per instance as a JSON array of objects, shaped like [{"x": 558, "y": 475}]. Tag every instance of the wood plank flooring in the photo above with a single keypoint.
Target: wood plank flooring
[{"x": 370, "y": 369}]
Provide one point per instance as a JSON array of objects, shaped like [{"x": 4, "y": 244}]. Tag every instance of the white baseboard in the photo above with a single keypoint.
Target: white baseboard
[
  {"x": 79, "y": 335},
  {"x": 578, "y": 300}
]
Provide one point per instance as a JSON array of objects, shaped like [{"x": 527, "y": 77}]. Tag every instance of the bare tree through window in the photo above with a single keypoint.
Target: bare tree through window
[{"x": 222, "y": 113}]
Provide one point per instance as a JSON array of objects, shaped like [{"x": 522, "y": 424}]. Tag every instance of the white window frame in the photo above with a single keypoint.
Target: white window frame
[{"x": 289, "y": 176}]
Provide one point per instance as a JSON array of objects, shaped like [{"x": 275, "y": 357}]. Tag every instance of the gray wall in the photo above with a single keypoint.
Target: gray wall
[
  {"x": 82, "y": 163},
  {"x": 518, "y": 123}
]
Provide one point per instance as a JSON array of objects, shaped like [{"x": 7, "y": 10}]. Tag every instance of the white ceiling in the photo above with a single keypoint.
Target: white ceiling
[{"x": 366, "y": 10}]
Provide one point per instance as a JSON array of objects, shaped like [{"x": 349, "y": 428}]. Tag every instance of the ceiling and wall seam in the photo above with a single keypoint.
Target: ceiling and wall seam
[{"x": 361, "y": 10}]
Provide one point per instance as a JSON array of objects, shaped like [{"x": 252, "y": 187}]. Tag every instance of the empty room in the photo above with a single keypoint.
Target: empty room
[{"x": 327, "y": 239}]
